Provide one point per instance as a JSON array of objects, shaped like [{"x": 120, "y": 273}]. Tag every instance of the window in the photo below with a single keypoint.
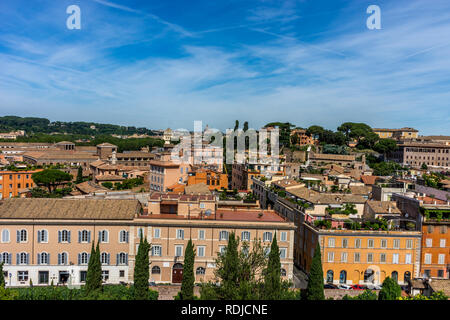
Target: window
[
  {"x": 223, "y": 235},
  {"x": 22, "y": 235},
  {"x": 63, "y": 258},
  {"x": 370, "y": 257},
  {"x": 330, "y": 256},
  {"x": 180, "y": 234},
  {"x": 440, "y": 273},
  {"x": 357, "y": 243},
  {"x": 22, "y": 276},
  {"x": 395, "y": 258},
  {"x": 443, "y": 229},
  {"x": 427, "y": 258},
  {"x": 330, "y": 276},
  {"x": 64, "y": 236},
  {"x": 156, "y": 233},
  {"x": 383, "y": 243},
  {"x": 43, "y": 258},
  {"x": 442, "y": 243},
  {"x": 22, "y": 258},
  {"x": 83, "y": 258},
  {"x": 200, "y": 271},
  {"x": 429, "y": 242},
  {"x": 430, "y": 229},
  {"x": 245, "y": 236},
  {"x": 344, "y": 243},
  {"x": 370, "y": 243},
  {"x": 283, "y": 236},
  {"x": 409, "y": 244},
  {"x": 5, "y": 235},
  {"x": 357, "y": 257},
  {"x": 156, "y": 251},
  {"x": 396, "y": 243},
  {"x": 267, "y": 236},
  {"x": 331, "y": 242},
  {"x": 344, "y": 257},
  {"x": 282, "y": 253},
  {"x": 441, "y": 259},
  {"x": 408, "y": 258},
  {"x": 394, "y": 276},
  {"x": 156, "y": 270},
  {"x": 105, "y": 275},
  {"x": 84, "y": 236},
  {"x": 202, "y": 205},
  {"x": 266, "y": 251},
  {"x": 104, "y": 258},
  {"x": 222, "y": 249},
  {"x": 83, "y": 276},
  {"x": 179, "y": 251},
  {"x": 122, "y": 258},
  {"x": 43, "y": 277},
  {"x": 201, "y": 234},
  {"x": 200, "y": 251},
  {"x": 123, "y": 236},
  {"x": 5, "y": 258},
  {"x": 103, "y": 236},
  {"x": 140, "y": 233}
]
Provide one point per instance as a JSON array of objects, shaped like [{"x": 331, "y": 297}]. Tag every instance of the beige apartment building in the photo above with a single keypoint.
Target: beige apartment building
[
  {"x": 49, "y": 240},
  {"x": 415, "y": 154}
]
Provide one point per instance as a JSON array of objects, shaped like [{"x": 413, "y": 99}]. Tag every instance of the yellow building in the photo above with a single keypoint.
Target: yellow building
[{"x": 403, "y": 133}]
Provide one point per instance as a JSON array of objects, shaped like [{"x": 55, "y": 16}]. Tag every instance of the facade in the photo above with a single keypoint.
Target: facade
[
  {"x": 11, "y": 182},
  {"x": 403, "y": 133},
  {"x": 300, "y": 138},
  {"x": 213, "y": 179},
  {"x": 165, "y": 173},
  {"x": 324, "y": 158},
  {"x": 415, "y": 154},
  {"x": 40, "y": 242}
]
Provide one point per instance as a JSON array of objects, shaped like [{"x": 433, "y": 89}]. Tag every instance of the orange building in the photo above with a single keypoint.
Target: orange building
[
  {"x": 213, "y": 179},
  {"x": 12, "y": 181}
]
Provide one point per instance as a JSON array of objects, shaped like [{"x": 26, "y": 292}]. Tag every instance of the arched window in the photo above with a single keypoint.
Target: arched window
[
  {"x": 23, "y": 258},
  {"x": 43, "y": 258},
  {"x": 343, "y": 277},
  {"x": 156, "y": 270},
  {"x": 42, "y": 236},
  {"x": 5, "y": 235},
  {"x": 407, "y": 276},
  {"x": 267, "y": 236},
  {"x": 122, "y": 258},
  {"x": 283, "y": 272},
  {"x": 64, "y": 236},
  {"x": 223, "y": 235},
  {"x": 394, "y": 275},
  {"x": 63, "y": 258},
  {"x": 22, "y": 235},
  {"x": 330, "y": 276},
  {"x": 200, "y": 271},
  {"x": 5, "y": 258},
  {"x": 123, "y": 236},
  {"x": 84, "y": 258},
  {"x": 104, "y": 258},
  {"x": 84, "y": 236},
  {"x": 245, "y": 236},
  {"x": 103, "y": 236},
  {"x": 369, "y": 276}
]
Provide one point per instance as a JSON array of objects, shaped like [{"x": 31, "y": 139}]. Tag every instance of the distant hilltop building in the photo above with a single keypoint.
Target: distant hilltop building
[
  {"x": 12, "y": 135},
  {"x": 167, "y": 135},
  {"x": 400, "y": 134}
]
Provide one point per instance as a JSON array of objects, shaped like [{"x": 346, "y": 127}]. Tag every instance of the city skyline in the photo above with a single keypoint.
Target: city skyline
[{"x": 300, "y": 62}]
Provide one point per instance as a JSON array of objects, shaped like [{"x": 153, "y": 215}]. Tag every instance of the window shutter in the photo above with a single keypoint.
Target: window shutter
[
  {"x": 79, "y": 236},
  {"x": 109, "y": 258},
  {"x": 106, "y": 236},
  {"x": 88, "y": 257},
  {"x": 68, "y": 236},
  {"x": 79, "y": 258},
  {"x": 126, "y": 258},
  {"x": 10, "y": 258},
  {"x": 38, "y": 258},
  {"x": 117, "y": 259},
  {"x": 126, "y": 236},
  {"x": 89, "y": 236},
  {"x": 48, "y": 258},
  {"x": 28, "y": 258},
  {"x": 100, "y": 236},
  {"x": 59, "y": 236},
  {"x": 59, "y": 258},
  {"x": 18, "y": 258},
  {"x": 18, "y": 236},
  {"x": 39, "y": 236}
]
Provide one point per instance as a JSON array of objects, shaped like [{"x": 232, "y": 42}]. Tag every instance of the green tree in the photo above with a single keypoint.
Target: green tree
[
  {"x": 51, "y": 178},
  {"x": 366, "y": 295},
  {"x": 424, "y": 166},
  {"x": 187, "y": 285},
  {"x": 236, "y": 125},
  {"x": 314, "y": 290},
  {"x": 79, "y": 175},
  {"x": 272, "y": 275},
  {"x": 228, "y": 271},
  {"x": 245, "y": 126},
  {"x": 2, "y": 277},
  {"x": 142, "y": 270},
  {"x": 390, "y": 290},
  {"x": 385, "y": 146},
  {"x": 94, "y": 272}
]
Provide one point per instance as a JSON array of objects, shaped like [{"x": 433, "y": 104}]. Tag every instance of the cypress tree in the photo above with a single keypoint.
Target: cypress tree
[
  {"x": 228, "y": 272},
  {"x": 187, "y": 285},
  {"x": 272, "y": 274},
  {"x": 314, "y": 290},
  {"x": 94, "y": 272},
  {"x": 390, "y": 290},
  {"x": 2, "y": 277},
  {"x": 142, "y": 270},
  {"x": 79, "y": 175}
]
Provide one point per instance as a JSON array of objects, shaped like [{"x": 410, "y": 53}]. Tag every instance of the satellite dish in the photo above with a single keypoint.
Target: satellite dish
[{"x": 208, "y": 212}]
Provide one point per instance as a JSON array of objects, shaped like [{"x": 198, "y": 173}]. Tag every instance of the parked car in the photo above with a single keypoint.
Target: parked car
[
  {"x": 358, "y": 287},
  {"x": 374, "y": 287},
  {"x": 329, "y": 286},
  {"x": 344, "y": 286}
]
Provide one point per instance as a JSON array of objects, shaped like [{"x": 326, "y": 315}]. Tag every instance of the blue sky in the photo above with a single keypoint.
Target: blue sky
[{"x": 164, "y": 64}]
